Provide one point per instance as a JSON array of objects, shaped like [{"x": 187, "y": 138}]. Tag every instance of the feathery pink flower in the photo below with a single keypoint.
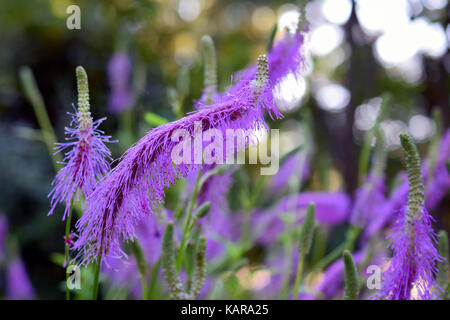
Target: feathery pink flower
[{"x": 87, "y": 157}]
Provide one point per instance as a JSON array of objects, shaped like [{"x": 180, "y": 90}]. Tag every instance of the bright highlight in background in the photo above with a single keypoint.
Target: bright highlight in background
[
  {"x": 289, "y": 92},
  {"x": 332, "y": 97},
  {"x": 189, "y": 10},
  {"x": 337, "y": 11},
  {"x": 325, "y": 39}
]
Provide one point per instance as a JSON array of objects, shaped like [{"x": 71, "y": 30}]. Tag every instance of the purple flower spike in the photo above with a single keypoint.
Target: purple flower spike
[
  {"x": 387, "y": 210},
  {"x": 413, "y": 264},
  {"x": 440, "y": 180},
  {"x": 87, "y": 158},
  {"x": 18, "y": 285},
  {"x": 137, "y": 183},
  {"x": 411, "y": 273},
  {"x": 331, "y": 209},
  {"x": 120, "y": 98},
  {"x": 296, "y": 166},
  {"x": 3, "y": 236}
]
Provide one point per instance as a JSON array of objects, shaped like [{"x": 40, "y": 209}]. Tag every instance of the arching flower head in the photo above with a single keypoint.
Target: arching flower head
[{"x": 137, "y": 183}]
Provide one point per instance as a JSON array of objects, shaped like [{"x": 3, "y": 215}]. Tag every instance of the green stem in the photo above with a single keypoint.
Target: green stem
[
  {"x": 363, "y": 167},
  {"x": 288, "y": 257},
  {"x": 152, "y": 284},
  {"x": 34, "y": 96},
  {"x": 68, "y": 222},
  {"x": 142, "y": 265},
  {"x": 96, "y": 277},
  {"x": 352, "y": 236},
  {"x": 298, "y": 276},
  {"x": 187, "y": 222}
]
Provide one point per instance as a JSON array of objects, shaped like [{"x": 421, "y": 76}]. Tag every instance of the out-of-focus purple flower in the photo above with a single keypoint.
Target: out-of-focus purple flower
[
  {"x": 125, "y": 274},
  {"x": 18, "y": 285},
  {"x": 217, "y": 223},
  {"x": 120, "y": 98},
  {"x": 369, "y": 201},
  {"x": 331, "y": 209},
  {"x": 3, "y": 236},
  {"x": 388, "y": 209},
  {"x": 296, "y": 166},
  {"x": 87, "y": 158},
  {"x": 440, "y": 181},
  {"x": 136, "y": 184},
  {"x": 218, "y": 226}
]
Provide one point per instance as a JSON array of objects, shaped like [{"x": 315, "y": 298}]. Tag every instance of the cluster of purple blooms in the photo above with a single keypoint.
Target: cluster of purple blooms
[{"x": 127, "y": 203}]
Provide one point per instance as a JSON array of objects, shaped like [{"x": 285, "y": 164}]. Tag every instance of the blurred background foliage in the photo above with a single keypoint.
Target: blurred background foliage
[{"x": 358, "y": 51}]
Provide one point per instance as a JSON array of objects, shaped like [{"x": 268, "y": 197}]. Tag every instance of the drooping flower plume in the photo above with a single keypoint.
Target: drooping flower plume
[
  {"x": 87, "y": 158},
  {"x": 136, "y": 184},
  {"x": 412, "y": 269}
]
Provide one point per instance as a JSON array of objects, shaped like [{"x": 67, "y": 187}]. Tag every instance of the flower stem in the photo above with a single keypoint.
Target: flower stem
[
  {"x": 298, "y": 276},
  {"x": 187, "y": 222},
  {"x": 351, "y": 237},
  {"x": 96, "y": 277},
  {"x": 66, "y": 242},
  {"x": 154, "y": 274},
  {"x": 141, "y": 264},
  {"x": 34, "y": 96}
]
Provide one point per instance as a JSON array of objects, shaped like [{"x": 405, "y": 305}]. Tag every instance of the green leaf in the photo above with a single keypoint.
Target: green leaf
[
  {"x": 57, "y": 258},
  {"x": 443, "y": 266},
  {"x": 203, "y": 209},
  {"x": 307, "y": 230},
  {"x": 154, "y": 120},
  {"x": 351, "y": 277}
]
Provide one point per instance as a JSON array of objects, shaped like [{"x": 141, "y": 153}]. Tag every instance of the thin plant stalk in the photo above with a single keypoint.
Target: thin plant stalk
[
  {"x": 96, "y": 277},
  {"x": 152, "y": 284},
  {"x": 298, "y": 276},
  {"x": 66, "y": 242},
  {"x": 34, "y": 96},
  {"x": 187, "y": 222},
  {"x": 141, "y": 264}
]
